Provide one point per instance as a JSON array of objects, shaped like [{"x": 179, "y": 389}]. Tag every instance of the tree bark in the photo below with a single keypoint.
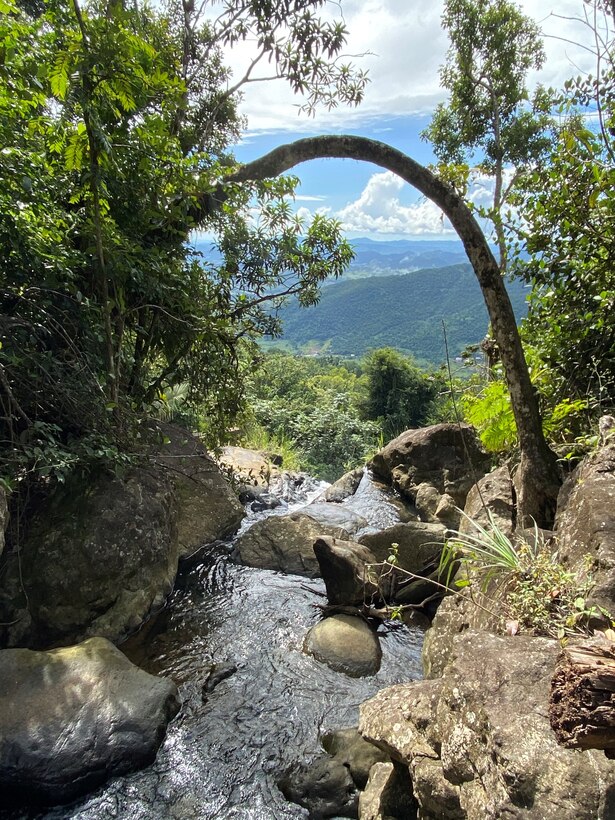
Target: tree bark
[
  {"x": 582, "y": 702},
  {"x": 537, "y": 477}
]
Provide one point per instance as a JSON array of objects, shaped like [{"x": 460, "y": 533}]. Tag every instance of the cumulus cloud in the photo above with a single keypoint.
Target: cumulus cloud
[
  {"x": 379, "y": 210},
  {"x": 403, "y": 45}
]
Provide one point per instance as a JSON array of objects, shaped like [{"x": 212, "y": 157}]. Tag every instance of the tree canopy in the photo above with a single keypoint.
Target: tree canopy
[{"x": 115, "y": 124}]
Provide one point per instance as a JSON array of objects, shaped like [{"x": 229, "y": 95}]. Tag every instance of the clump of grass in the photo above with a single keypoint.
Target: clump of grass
[{"x": 522, "y": 580}]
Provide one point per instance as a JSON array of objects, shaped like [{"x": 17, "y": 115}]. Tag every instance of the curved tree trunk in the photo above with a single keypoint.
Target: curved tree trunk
[{"x": 537, "y": 477}]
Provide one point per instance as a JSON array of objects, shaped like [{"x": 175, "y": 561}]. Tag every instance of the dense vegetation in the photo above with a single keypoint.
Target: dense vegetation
[
  {"x": 115, "y": 123},
  {"x": 328, "y": 415}
]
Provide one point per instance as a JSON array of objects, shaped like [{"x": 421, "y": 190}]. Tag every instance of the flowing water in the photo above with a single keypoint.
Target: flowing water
[{"x": 225, "y": 751}]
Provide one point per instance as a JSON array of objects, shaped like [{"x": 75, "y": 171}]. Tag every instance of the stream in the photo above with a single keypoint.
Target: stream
[{"x": 225, "y": 750}]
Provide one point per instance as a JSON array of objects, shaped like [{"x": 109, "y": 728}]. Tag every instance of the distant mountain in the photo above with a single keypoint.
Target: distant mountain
[
  {"x": 394, "y": 257},
  {"x": 405, "y": 311}
]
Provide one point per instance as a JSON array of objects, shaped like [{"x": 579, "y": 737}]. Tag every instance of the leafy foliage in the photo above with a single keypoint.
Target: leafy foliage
[
  {"x": 490, "y": 114},
  {"x": 114, "y": 122}
]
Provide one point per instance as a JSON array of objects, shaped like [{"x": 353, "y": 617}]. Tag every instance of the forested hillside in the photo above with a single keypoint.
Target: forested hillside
[{"x": 404, "y": 311}]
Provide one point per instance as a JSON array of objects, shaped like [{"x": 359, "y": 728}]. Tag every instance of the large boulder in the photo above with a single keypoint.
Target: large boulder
[
  {"x": 344, "y": 487},
  {"x": 99, "y": 556},
  {"x": 418, "y": 544},
  {"x": 345, "y": 569},
  {"x": 73, "y": 717},
  {"x": 585, "y": 522},
  {"x": 285, "y": 543},
  {"x": 491, "y": 501},
  {"x": 206, "y": 507},
  {"x": 448, "y": 457},
  {"x": 478, "y": 742},
  {"x": 354, "y": 752},
  {"x": 347, "y": 644}
]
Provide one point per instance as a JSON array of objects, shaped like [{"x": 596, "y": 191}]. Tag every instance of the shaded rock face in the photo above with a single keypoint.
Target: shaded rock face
[
  {"x": 206, "y": 506},
  {"x": 585, "y": 522},
  {"x": 329, "y": 785},
  {"x": 285, "y": 543},
  {"x": 388, "y": 794},
  {"x": 419, "y": 544},
  {"x": 98, "y": 558},
  {"x": 345, "y": 643},
  {"x": 73, "y": 717},
  {"x": 437, "y": 456},
  {"x": 478, "y": 742},
  {"x": 344, "y": 566}
]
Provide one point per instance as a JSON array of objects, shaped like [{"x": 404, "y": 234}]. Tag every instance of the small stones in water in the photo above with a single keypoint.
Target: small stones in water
[{"x": 347, "y": 644}]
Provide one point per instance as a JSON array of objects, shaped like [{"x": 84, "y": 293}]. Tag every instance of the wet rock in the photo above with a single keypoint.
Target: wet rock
[
  {"x": 344, "y": 567},
  {"x": 96, "y": 561},
  {"x": 585, "y": 522},
  {"x": 324, "y": 787},
  {"x": 354, "y": 752},
  {"x": 345, "y": 643},
  {"x": 266, "y": 501},
  {"x": 436, "y": 455},
  {"x": 388, "y": 794},
  {"x": 73, "y": 717},
  {"x": 419, "y": 544},
  {"x": 344, "y": 487},
  {"x": 218, "y": 672},
  {"x": 285, "y": 543},
  {"x": 380, "y": 504},
  {"x": 99, "y": 557},
  {"x": 334, "y": 515},
  {"x": 478, "y": 741}
]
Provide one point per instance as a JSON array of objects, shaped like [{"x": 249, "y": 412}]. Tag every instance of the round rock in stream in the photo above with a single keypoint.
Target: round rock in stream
[
  {"x": 345, "y": 643},
  {"x": 72, "y": 717}
]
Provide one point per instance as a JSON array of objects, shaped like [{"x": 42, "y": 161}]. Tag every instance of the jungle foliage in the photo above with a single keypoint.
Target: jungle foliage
[{"x": 114, "y": 126}]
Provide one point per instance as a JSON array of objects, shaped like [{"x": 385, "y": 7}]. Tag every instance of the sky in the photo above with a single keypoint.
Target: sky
[{"x": 402, "y": 45}]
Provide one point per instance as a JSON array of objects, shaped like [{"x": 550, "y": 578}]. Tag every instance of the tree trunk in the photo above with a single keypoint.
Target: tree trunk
[
  {"x": 582, "y": 702},
  {"x": 537, "y": 477}
]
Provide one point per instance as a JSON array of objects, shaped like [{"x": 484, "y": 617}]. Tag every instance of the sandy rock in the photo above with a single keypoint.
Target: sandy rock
[{"x": 478, "y": 741}]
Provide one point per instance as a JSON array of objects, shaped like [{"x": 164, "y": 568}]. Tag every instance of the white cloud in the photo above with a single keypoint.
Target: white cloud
[
  {"x": 403, "y": 45},
  {"x": 378, "y": 210}
]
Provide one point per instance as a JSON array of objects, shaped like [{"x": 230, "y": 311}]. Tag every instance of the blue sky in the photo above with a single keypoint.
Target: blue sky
[{"x": 402, "y": 45}]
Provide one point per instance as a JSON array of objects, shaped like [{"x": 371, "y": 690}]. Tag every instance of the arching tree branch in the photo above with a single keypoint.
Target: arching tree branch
[{"x": 537, "y": 477}]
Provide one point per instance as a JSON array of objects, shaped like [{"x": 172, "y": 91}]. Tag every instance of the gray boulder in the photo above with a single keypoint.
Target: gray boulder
[
  {"x": 478, "y": 742},
  {"x": 206, "y": 507},
  {"x": 491, "y": 500},
  {"x": 449, "y": 457},
  {"x": 345, "y": 643},
  {"x": 344, "y": 487},
  {"x": 585, "y": 522},
  {"x": 99, "y": 557},
  {"x": 73, "y": 717},
  {"x": 334, "y": 515},
  {"x": 344, "y": 567},
  {"x": 419, "y": 544},
  {"x": 285, "y": 543}
]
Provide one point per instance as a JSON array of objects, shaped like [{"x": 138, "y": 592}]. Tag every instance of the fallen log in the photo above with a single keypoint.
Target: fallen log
[{"x": 582, "y": 701}]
